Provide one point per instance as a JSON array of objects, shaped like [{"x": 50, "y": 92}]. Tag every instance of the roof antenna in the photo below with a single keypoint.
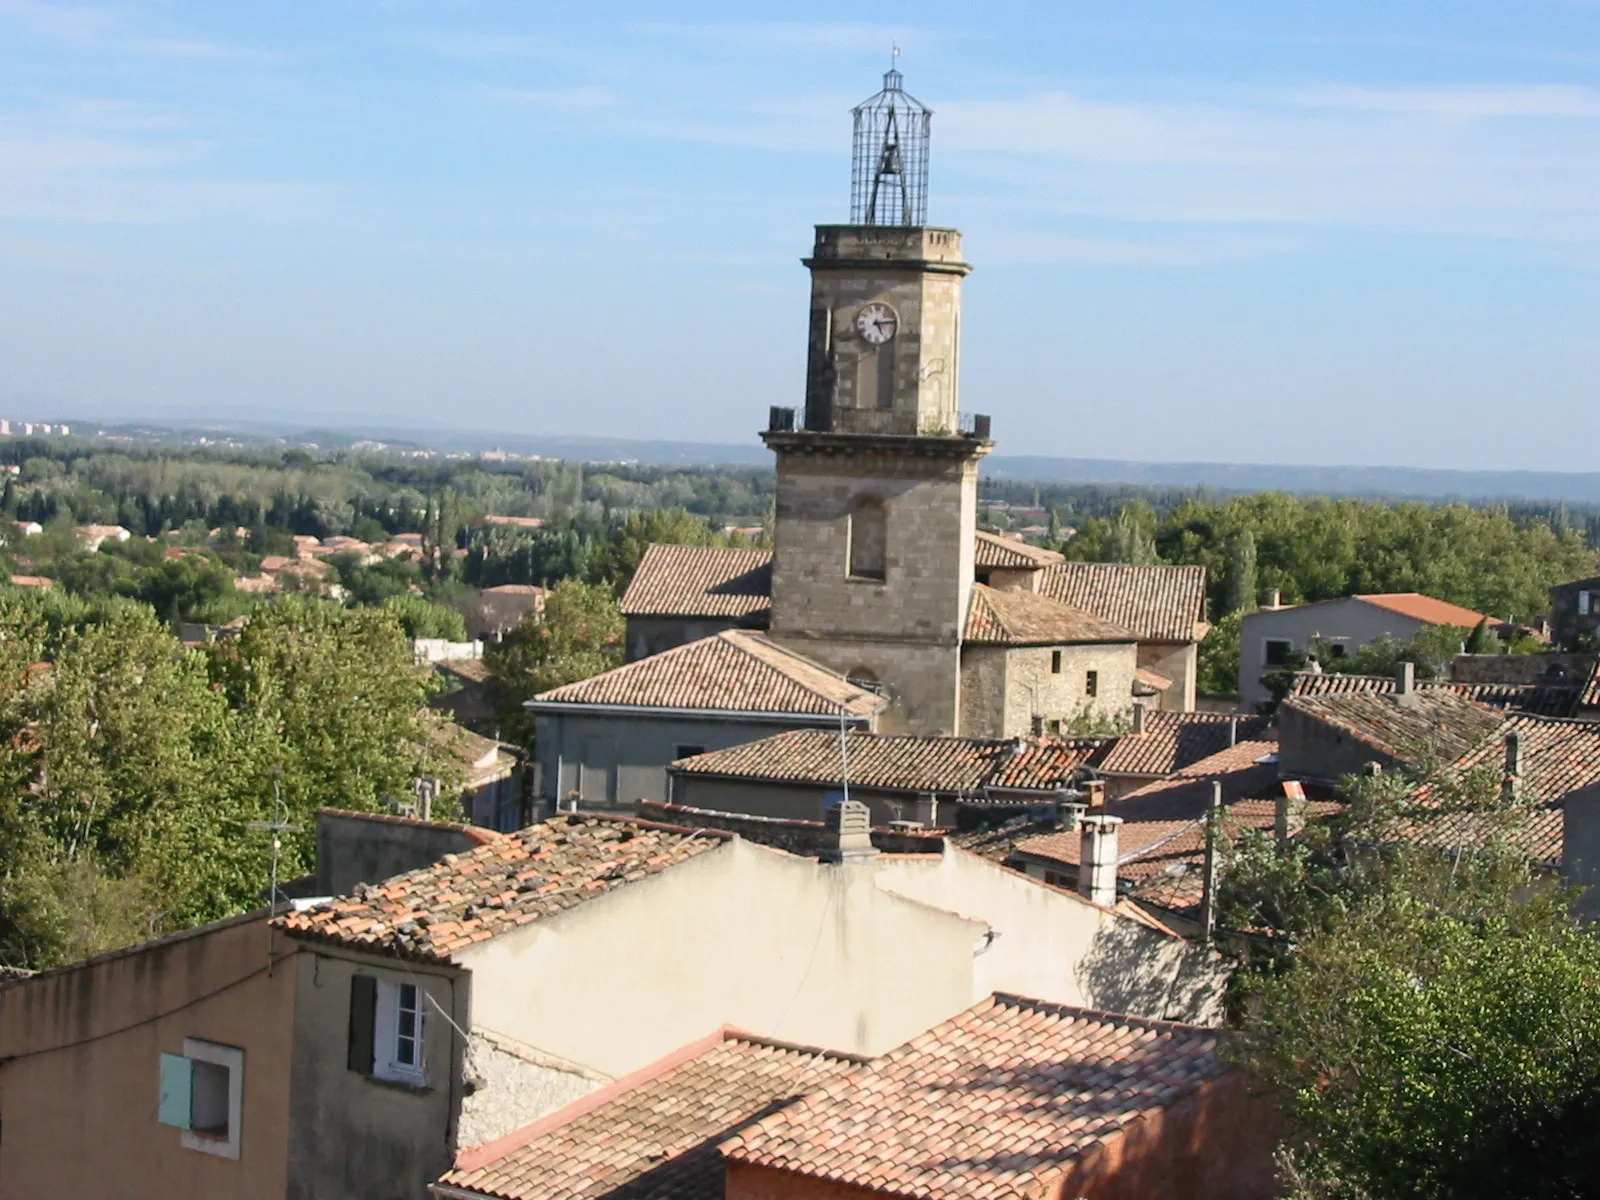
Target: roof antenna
[
  {"x": 844, "y": 756},
  {"x": 276, "y": 827}
]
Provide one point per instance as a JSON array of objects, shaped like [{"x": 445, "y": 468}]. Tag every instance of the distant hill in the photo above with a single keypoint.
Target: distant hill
[{"x": 1385, "y": 482}]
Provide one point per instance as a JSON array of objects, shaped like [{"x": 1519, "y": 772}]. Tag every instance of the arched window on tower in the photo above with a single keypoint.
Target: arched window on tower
[{"x": 869, "y": 537}]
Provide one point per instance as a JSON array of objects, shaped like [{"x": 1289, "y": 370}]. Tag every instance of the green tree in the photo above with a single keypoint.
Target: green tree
[
  {"x": 422, "y": 618},
  {"x": 579, "y": 635},
  {"x": 1482, "y": 640},
  {"x": 1431, "y": 1013},
  {"x": 1219, "y": 656},
  {"x": 1241, "y": 577}
]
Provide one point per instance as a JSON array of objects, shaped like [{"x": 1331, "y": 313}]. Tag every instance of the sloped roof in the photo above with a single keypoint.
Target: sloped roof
[
  {"x": 1174, "y": 740},
  {"x": 901, "y": 762},
  {"x": 1424, "y": 608},
  {"x": 1544, "y": 699},
  {"x": 653, "y": 1135},
  {"x": 735, "y": 670},
  {"x": 996, "y": 1102},
  {"x": 1159, "y": 603},
  {"x": 1013, "y": 617},
  {"x": 434, "y": 911},
  {"x": 1558, "y": 758},
  {"x": 1445, "y": 723},
  {"x": 700, "y": 581},
  {"x": 994, "y": 551}
]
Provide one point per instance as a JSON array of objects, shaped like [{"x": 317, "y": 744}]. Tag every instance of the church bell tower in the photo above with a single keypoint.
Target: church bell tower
[{"x": 877, "y": 474}]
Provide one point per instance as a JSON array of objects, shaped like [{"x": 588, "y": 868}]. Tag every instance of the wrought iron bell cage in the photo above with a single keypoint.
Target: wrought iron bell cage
[{"x": 889, "y": 171}]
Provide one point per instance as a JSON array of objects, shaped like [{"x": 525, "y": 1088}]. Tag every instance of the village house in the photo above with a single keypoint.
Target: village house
[
  {"x": 463, "y": 694},
  {"x": 1161, "y": 744},
  {"x": 1575, "y": 614},
  {"x": 1271, "y": 638},
  {"x": 682, "y": 594},
  {"x": 352, "y": 1047},
  {"x": 493, "y": 612},
  {"x": 740, "y": 1116},
  {"x": 606, "y": 741}
]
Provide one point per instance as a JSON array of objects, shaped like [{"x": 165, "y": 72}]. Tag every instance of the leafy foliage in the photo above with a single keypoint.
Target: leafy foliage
[{"x": 580, "y": 635}]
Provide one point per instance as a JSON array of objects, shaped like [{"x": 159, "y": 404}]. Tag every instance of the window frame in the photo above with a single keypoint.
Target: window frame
[
  {"x": 1091, "y": 683},
  {"x": 388, "y": 1036},
  {"x": 210, "y": 1054},
  {"x": 1056, "y": 658},
  {"x": 1266, "y": 651}
]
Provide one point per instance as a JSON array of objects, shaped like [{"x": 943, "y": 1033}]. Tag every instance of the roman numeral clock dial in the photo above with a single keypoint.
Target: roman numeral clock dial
[{"x": 877, "y": 323}]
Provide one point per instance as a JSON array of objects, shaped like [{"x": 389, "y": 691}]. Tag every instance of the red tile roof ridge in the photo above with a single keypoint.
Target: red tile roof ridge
[{"x": 482, "y": 835}]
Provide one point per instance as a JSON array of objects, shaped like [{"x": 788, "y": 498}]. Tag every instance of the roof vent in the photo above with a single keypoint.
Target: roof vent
[{"x": 847, "y": 833}]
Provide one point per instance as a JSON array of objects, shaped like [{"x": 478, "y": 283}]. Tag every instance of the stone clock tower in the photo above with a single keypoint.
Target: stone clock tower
[{"x": 878, "y": 476}]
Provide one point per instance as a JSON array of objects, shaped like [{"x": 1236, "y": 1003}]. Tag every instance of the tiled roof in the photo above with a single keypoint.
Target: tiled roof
[
  {"x": 1558, "y": 758},
  {"x": 1446, "y": 724},
  {"x": 1423, "y": 608},
  {"x": 1152, "y": 682},
  {"x": 470, "y": 670},
  {"x": 736, "y": 669},
  {"x": 434, "y": 911},
  {"x": 1159, "y": 603},
  {"x": 993, "y": 551},
  {"x": 700, "y": 581},
  {"x": 1021, "y": 618},
  {"x": 652, "y": 1136},
  {"x": 901, "y": 762},
  {"x": 1543, "y": 699},
  {"x": 996, "y": 1102},
  {"x": 1172, "y": 741}
]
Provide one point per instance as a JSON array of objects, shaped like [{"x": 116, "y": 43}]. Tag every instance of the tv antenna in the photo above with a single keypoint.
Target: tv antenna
[{"x": 277, "y": 827}]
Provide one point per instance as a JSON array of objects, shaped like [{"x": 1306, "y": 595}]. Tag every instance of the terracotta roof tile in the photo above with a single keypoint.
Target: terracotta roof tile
[
  {"x": 993, "y": 551},
  {"x": 1159, "y": 603},
  {"x": 1022, "y": 618},
  {"x": 736, "y": 669},
  {"x": 1445, "y": 723},
  {"x": 1543, "y": 699},
  {"x": 901, "y": 762},
  {"x": 996, "y": 1102},
  {"x": 700, "y": 581},
  {"x": 432, "y": 912},
  {"x": 1172, "y": 741},
  {"x": 652, "y": 1136},
  {"x": 1423, "y": 608}
]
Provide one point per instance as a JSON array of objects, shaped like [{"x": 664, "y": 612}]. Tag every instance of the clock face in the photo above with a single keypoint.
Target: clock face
[{"x": 876, "y": 323}]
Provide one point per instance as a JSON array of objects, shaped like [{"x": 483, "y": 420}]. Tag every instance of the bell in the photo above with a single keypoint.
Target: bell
[{"x": 890, "y": 163}]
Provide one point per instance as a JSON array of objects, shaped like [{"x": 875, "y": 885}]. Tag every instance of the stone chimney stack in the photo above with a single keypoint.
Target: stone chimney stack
[
  {"x": 1288, "y": 813},
  {"x": 1513, "y": 773},
  {"x": 1405, "y": 679},
  {"x": 847, "y": 834},
  {"x": 1274, "y": 599},
  {"x": 1138, "y": 718},
  {"x": 1097, "y": 859}
]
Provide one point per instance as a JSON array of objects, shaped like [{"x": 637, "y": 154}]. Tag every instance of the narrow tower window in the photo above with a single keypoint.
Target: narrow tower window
[{"x": 868, "y": 538}]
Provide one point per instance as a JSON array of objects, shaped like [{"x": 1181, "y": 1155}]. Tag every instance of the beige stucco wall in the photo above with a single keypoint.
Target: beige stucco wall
[
  {"x": 1054, "y": 945},
  {"x": 773, "y": 944},
  {"x": 1179, "y": 662},
  {"x": 357, "y": 1137},
  {"x": 81, "y": 1121}
]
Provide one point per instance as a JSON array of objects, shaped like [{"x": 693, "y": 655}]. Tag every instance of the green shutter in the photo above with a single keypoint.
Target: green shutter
[
  {"x": 177, "y": 1090},
  {"x": 363, "y": 1016}
]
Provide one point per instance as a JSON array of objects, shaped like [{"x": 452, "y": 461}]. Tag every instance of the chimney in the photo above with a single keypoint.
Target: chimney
[
  {"x": 847, "y": 834},
  {"x": 1208, "y": 880},
  {"x": 1097, "y": 859},
  {"x": 1275, "y": 599},
  {"x": 1233, "y": 732},
  {"x": 1094, "y": 793},
  {"x": 1289, "y": 811},
  {"x": 1513, "y": 772},
  {"x": 1138, "y": 718},
  {"x": 1405, "y": 679}
]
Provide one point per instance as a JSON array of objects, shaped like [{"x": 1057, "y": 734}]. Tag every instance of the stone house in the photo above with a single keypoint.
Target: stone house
[
  {"x": 703, "y": 1121},
  {"x": 606, "y": 741},
  {"x": 493, "y": 612},
  {"x": 1575, "y": 613},
  {"x": 1270, "y": 637},
  {"x": 681, "y": 594}
]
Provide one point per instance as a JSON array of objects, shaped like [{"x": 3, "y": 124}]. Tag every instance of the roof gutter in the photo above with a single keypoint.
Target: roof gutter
[{"x": 578, "y": 708}]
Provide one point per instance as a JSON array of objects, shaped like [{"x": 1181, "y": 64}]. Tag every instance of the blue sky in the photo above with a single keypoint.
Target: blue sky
[{"x": 1322, "y": 233}]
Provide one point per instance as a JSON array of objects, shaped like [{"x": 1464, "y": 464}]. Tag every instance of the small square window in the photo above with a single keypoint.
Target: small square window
[
  {"x": 388, "y": 1028},
  {"x": 1091, "y": 683},
  {"x": 689, "y": 751},
  {"x": 1335, "y": 649},
  {"x": 202, "y": 1094},
  {"x": 1275, "y": 652},
  {"x": 1055, "y": 662}
]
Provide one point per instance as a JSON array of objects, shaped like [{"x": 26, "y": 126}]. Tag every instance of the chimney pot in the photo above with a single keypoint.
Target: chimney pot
[
  {"x": 1275, "y": 599},
  {"x": 1233, "y": 732},
  {"x": 847, "y": 833},
  {"x": 1097, "y": 859}
]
